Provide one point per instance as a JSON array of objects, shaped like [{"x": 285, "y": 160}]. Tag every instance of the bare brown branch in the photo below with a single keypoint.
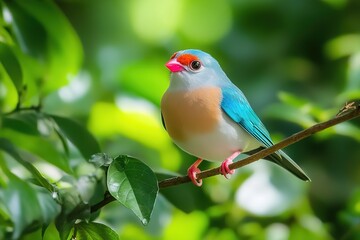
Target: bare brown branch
[{"x": 348, "y": 112}]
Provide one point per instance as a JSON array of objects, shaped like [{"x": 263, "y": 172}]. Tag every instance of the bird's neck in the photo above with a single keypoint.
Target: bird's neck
[{"x": 183, "y": 82}]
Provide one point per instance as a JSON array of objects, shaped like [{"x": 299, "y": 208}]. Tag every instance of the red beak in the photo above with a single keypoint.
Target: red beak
[{"x": 174, "y": 66}]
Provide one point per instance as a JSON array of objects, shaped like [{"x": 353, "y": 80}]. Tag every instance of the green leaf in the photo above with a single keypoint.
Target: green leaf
[
  {"x": 63, "y": 47},
  {"x": 47, "y": 41},
  {"x": 78, "y": 135},
  {"x": 63, "y": 141},
  {"x": 38, "y": 146},
  {"x": 29, "y": 32},
  {"x": 8, "y": 147},
  {"x": 72, "y": 209},
  {"x": 22, "y": 204},
  {"x": 9, "y": 96},
  {"x": 49, "y": 207},
  {"x": 5, "y": 37},
  {"x": 29, "y": 122},
  {"x": 65, "y": 227},
  {"x": 51, "y": 233},
  {"x": 5, "y": 221},
  {"x": 25, "y": 122},
  {"x": 70, "y": 198},
  {"x": 3, "y": 172},
  {"x": 134, "y": 185},
  {"x": 94, "y": 231},
  {"x": 11, "y": 65}
]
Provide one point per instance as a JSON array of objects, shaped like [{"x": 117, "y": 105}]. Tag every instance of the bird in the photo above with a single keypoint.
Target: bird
[{"x": 209, "y": 117}]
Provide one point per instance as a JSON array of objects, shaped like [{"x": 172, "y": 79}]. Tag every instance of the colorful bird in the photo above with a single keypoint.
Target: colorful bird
[{"x": 207, "y": 116}]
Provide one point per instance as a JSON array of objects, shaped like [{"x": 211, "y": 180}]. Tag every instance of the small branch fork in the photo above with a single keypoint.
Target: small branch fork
[{"x": 348, "y": 112}]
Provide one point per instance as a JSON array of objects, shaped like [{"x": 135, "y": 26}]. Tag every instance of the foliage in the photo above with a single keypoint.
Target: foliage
[{"x": 80, "y": 86}]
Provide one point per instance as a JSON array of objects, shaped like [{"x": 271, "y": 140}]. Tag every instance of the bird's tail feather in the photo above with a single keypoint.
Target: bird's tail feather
[
  {"x": 283, "y": 160},
  {"x": 286, "y": 162}
]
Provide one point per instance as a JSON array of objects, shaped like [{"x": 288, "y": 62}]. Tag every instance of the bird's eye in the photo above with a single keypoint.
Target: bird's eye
[{"x": 195, "y": 65}]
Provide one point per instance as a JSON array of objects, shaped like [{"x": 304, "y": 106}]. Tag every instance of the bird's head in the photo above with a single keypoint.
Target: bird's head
[{"x": 194, "y": 68}]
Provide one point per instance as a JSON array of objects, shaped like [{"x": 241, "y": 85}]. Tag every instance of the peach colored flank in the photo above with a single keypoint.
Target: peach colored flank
[{"x": 192, "y": 112}]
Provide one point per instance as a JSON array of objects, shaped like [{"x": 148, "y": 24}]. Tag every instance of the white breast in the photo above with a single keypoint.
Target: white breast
[{"x": 219, "y": 144}]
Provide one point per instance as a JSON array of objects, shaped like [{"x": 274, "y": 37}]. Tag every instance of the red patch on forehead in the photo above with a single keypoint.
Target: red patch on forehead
[{"x": 186, "y": 59}]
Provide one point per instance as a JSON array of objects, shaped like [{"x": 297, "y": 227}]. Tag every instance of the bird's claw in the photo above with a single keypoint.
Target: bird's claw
[
  {"x": 193, "y": 171},
  {"x": 225, "y": 170},
  {"x": 192, "y": 175}
]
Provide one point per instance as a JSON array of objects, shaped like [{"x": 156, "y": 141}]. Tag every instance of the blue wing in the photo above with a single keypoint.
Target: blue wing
[{"x": 236, "y": 106}]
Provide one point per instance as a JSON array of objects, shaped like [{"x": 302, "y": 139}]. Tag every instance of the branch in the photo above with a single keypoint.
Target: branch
[
  {"x": 107, "y": 199},
  {"x": 35, "y": 108},
  {"x": 348, "y": 112}
]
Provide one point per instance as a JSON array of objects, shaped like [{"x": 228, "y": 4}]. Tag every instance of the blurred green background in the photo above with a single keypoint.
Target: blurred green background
[{"x": 101, "y": 63}]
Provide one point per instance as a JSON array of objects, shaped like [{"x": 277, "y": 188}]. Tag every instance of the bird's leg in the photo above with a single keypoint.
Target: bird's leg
[
  {"x": 193, "y": 170},
  {"x": 224, "y": 169}
]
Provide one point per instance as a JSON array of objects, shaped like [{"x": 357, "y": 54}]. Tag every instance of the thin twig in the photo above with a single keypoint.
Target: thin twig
[
  {"x": 347, "y": 113},
  {"x": 35, "y": 108},
  {"x": 107, "y": 199}
]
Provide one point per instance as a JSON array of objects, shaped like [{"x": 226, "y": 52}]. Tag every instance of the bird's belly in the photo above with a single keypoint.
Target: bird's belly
[
  {"x": 188, "y": 112},
  {"x": 220, "y": 143},
  {"x": 196, "y": 123}
]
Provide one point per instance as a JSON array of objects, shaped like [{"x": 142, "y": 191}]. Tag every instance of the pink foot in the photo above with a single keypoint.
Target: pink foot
[
  {"x": 224, "y": 168},
  {"x": 193, "y": 170}
]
